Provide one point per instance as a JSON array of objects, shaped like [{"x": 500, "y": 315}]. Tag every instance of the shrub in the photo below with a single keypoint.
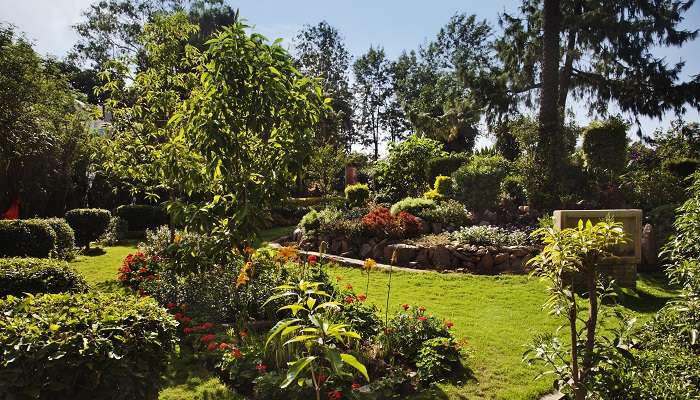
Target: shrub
[
  {"x": 88, "y": 224},
  {"x": 605, "y": 149},
  {"x": 313, "y": 221},
  {"x": 116, "y": 231},
  {"x": 137, "y": 268},
  {"x": 478, "y": 184},
  {"x": 408, "y": 330},
  {"x": 379, "y": 222},
  {"x": 449, "y": 213},
  {"x": 87, "y": 346},
  {"x": 140, "y": 217},
  {"x": 415, "y": 206},
  {"x": 402, "y": 174},
  {"x": 513, "y": 189},
  {"x": 362, "y": 316},
  {"x": 441, "y": 190},
  {"x": 27, "y": 238},
  {"x": 65, "y": 237},
  {"x": 490, "y": 236},
  {"x": 36, "y": 275},
  {"x": 356, "y": 195},
  {"x": 438, "y": 358},
  {"x": 446, "y": 165}
]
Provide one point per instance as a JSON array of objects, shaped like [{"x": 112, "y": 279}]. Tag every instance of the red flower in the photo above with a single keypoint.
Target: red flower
[
  {"x": 207, "y": 325},
  {"x": 212, "y": 346},
  {"x": 405, "y": 306},
  {"x": 223, "y": 346},
  {"x": 142, "y": 270},
  {"x": 356, "y": 386},
  {"x": 187, "y": 331},
  {"x": 236, "y": 353},
  {"x": 178, "y": 316},
  {"x": 262, "y": 368},
  {"x": 186, "y": 320},
  {"x": 421, "y": 309},
  {"x": 208, "y": 338},
  {"x": 361, "y": 297},
  {"x": 348, "y": 286},
  {"x": 335, "y": 395},
  {"x": 321, "y": 378},
  {"x": 243, "y": 333},
  {"x": 422, "y": 318},
  {"x": 313, "y": 259},
  {"x": 449, "y": 324},
  {"x": 349, "y": 299}
]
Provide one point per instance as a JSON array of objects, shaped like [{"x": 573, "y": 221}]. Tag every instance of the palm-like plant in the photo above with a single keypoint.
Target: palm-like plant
[{"x": 312, "y": 337}]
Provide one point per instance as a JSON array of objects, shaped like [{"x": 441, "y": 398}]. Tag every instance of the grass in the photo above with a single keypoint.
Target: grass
[{"x": 495, "y": 315}]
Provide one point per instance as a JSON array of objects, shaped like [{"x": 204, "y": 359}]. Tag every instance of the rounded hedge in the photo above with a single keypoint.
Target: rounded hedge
[
  {"x": 412, "y": 205},
  {"x": 478, "y": 183},
  {"x": 26, "y": 238},
  {"x": 87, "y": 346},
  {"x": 35, "y": 275},
  {"x": 88, "y": 224},
  {"x": 357, "y": 195},
  {"x": 445, "y": 165},
  {"x": 140, "y": 217},
  {"x": 605, "y": 147},
  {"x": 65, "y": 237}
]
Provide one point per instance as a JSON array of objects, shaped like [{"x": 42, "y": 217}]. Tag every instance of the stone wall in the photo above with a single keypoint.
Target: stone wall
[{"x": 457, "y": 257}]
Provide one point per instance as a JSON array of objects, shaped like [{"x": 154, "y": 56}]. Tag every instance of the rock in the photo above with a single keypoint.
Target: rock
[
  {"x": 405, "y": 253},
  {"x": 415, "y": 265},
  {"x": 334, "y": 248},
  {"x": 486, "y": 263},
  {"x": 490, "y": 216},
  {"x": 422, "y": 257},
  {"x": 650, "y": 256},
  {"x": 347, "y": 254},
  {"x": 365, "y": 250},
  {"x": 500, "y": 258},
  {"x": 516, "y": 262},
  {"x": 524, "y": 209},
  {"x": 459, "y": 255},
  {"x": 481, "y": 251},
  {"x": 344, "y": 246},
  {"x": 436, "y": 227},
  {"x": 441, "y": 257},
  {"x": 297, "y": 235},
  {"x": 424, "y": 226},
  {"x": 518, "y": 251}
]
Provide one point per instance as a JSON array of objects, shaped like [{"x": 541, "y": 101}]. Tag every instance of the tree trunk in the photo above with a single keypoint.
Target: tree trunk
[
  {"x": 575, "y": 375},
  {"x": 590, "y": 324},
  {"x": 549, "y": 141},
  {"x": 565, "y": 74}
]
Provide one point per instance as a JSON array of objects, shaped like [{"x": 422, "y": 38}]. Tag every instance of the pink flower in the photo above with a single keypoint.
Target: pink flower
[{"x": 262, "y": 368}]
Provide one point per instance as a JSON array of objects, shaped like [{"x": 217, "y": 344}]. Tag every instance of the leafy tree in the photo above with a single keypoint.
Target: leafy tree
[
  {"x": 321, "y": 53},
  {"x": 439, "y": 86},
  {"x": 326, "y": 167},
  {"x": 599, "y": 51},
  {"x": 374, "y": 92},
  {"x": 566, "y": 253},
  {"x": 44, "y": 137}
]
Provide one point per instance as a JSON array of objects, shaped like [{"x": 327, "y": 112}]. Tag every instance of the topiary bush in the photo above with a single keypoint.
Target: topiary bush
[
  {"x": 445, "y": 165},
  {"x": 441, "y": 190},
  {"x": 356, "y": 195},
  {"x": 86, "y": 346},
  {"x": 65, "y": 237},
  {"x": 478, "y": 184},
  {"x": 140, "y": 217},
  {"x": 605, "y": 149},
  {"x": 449, "y": 213},
  {"x": 88, "y": 224},
  {"x": 35, "y": 275},
  {"x": 413, "y": 205},
  {"x": 27, "y": 238}
]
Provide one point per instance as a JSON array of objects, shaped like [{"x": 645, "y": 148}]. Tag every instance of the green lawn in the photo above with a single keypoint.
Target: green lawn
[{"x": 495, "y": 315}]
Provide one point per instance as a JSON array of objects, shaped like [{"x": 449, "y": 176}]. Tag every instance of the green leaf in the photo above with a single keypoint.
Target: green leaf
[
  {"x": 352, "y": 361},
  {"x": 295, "y": 369}
]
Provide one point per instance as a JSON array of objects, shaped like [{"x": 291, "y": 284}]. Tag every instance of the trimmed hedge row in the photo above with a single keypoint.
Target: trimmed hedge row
[
  {"x": 36, "y": 238},
  {"x": 140, "y": 217},
  {"x": 36, "y": 275},
  {"x": 86, "y": 346},
  {"x": 88, "y": 223}
]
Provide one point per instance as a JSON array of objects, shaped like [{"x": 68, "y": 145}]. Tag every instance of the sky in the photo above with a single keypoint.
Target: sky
[{"x": 395, "y": 25}]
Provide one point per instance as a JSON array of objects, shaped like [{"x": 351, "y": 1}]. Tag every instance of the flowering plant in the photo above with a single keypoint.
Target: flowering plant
[
  {"x": 380, "y": 222},
  {"x": 137, "y": 268},
  {"x": 408, "y": 329}
]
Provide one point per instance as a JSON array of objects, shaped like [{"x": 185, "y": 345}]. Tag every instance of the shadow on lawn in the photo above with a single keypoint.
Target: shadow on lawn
[
  {"x": 93, "y": 252},
  {"x": 652, "y": 293}
]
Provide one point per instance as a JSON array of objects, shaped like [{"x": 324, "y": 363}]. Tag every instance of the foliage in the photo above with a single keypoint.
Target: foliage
[
  {"x": 402, "y": 174},
  {"x": 140, "y": 217},
  {"x": 377, "y": 109},
  {"x": 65, "y": 237},
  {"x": 441, "y": 190},
  {"x": 407, "y": 331},
  {"x": 241, "y": 364},
  {"x": 326, "y": 167},
  {"x": 513, "y": 189},
  {"x": 318, "y": 344},
  {"x": 88, "y": 224},
  {"x": 381, "y": 223},
  {"x": 485, "y": 235},
  {"x": 83, "y": 346},
  {"x": 574, "y": 251},
  {"x": 34, "y": 275},
  {"x": 27, "y": 238},
  {"x": 138, "y": 268},
  {"x": 356, "y": 195},
  {"x": 412, "y": 205},
  {"x": 438, "y": 358},
  {"x": 362, "y": 317},
  {"x": 478, "y": 183},
  {"x": 44, "y": 145},
  {"x": 449, "y": 213},
  {"x": 314, "y": 220},
  {"x": 605, "y": 149},
  {"x": 445, "y": 165},
  {"x": 321, "y": 53},
  {"x": 116, "y": 231}
]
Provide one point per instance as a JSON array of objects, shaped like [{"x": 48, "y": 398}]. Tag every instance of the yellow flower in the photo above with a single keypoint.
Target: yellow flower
[
  {"x": 243, "y": 276},
  {"x": 287, "y": 253},
  {"x": 249, "y": 250},
  {"x": 369, "y": 264},
  {"x": 177, "y": 238}
]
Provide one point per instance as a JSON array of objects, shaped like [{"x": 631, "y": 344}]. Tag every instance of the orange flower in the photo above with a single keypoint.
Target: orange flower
[
  {"x": 422, "y": 318},
  {"x": 349, "y": 299},
  {"x": 361, "y": 297},
  {"x": 405, "y": 306},
  {"x": 449, "y": 324},
  {"x": 348, "y": 286},
  {"x": 243, "y": 276},
  {"x": 249, "y": 250},
  {"x": 369, "y": 264},
  {"x": 236, "y": 353},
  {"x": 288, "y": 253},
  {"x": 421, "y": 309}
]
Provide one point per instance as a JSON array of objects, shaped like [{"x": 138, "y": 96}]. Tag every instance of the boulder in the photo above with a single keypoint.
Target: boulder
[
  {"x": 422, "y": 257},
  {"x": 424, "y": 226},
  {"x": 365, "y": 250},
  {"x": 500, "y": 258},
  {"x": 486, "y": 263},
  {"x": 297, "y": 235},
  {"x": 405, "y": 253},
  {"x": 650, "y": 253},
  {"x": 440, "y": 257},
  {"x": 436, "y": 227}
]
